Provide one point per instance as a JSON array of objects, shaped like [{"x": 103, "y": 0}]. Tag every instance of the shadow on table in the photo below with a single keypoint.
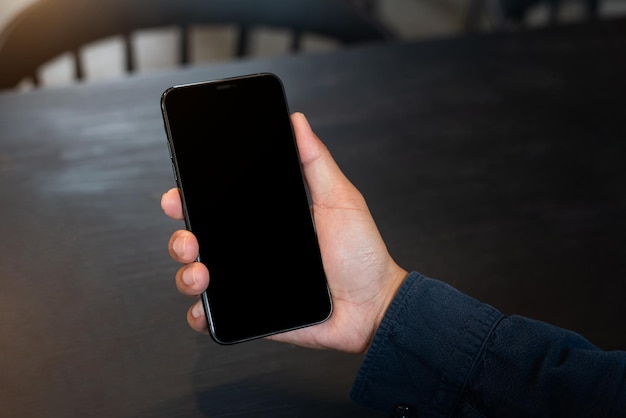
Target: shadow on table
[
  {"x": 264, "y": 379},
  {"x": 268, "y": 379},
  {"x": 264, "y": 396}
]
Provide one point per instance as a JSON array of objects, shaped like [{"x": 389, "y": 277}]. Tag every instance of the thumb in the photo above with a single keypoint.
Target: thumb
[{"x": 321, "y": 172}]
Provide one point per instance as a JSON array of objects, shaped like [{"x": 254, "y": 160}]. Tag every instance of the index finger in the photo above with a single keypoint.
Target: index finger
[{"x": 171, "y": 204}]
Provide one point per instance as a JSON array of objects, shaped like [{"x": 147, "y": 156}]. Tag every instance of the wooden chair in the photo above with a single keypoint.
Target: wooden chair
[{"x": 50, "y": 28}]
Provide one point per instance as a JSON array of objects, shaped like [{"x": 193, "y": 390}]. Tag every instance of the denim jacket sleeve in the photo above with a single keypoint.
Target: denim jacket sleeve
[{"x": 440, "y": 353}]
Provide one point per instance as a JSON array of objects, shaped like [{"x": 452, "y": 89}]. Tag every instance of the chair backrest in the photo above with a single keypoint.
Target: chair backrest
[
  {"x": 49, "y": 28},
  {"x": 506, "y": 14}
]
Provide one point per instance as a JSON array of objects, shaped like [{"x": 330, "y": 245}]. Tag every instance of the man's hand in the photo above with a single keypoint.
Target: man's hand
[{"x": 362, "y": 276}]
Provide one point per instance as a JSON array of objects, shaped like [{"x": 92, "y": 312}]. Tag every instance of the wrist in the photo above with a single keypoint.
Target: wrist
[{"x": 393, "y": 282}]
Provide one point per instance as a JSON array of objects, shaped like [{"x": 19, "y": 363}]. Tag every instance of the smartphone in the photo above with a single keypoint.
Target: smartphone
[{"x": 244, "y": 197}]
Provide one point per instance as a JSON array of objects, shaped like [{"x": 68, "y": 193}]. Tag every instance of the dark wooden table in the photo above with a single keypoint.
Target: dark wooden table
[{"x": 493, "y": 162}]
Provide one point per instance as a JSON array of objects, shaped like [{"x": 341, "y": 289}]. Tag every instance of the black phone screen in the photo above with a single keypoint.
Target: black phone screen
[{"x": 244, "y": 197}]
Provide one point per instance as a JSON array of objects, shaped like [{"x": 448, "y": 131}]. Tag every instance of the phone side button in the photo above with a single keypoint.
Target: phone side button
[{"x": 174, "y": 171}]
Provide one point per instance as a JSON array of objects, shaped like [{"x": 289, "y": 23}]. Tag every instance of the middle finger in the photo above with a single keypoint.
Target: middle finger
[
  {"x": 192, "y": 279},
  {"x": 183, "y": 246}
]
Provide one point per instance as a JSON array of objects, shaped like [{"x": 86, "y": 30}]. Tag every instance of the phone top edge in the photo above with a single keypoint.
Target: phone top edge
[{"x": 218, "y": 80}]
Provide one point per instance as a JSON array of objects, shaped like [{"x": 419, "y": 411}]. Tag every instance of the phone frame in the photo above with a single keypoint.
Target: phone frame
[{"x": 175, "y": 165}]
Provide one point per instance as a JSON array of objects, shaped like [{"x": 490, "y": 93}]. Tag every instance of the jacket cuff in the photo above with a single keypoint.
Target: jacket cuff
[{"x": 424, "y": 350}]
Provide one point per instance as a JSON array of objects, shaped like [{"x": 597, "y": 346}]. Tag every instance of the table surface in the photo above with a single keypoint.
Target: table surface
[{"x": 492, "y": 162}]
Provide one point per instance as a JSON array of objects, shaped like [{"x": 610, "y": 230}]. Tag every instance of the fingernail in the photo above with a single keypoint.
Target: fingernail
[
  {"x": 306, "y": 121},
  {"x": 189, "y": 278},
  {"x": 179, "y": 246},
  {"x": 197, "y": 310}
]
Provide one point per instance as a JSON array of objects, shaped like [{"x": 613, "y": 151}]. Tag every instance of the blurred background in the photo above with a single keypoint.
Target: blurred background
[{"x": 408, "y": 19}]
